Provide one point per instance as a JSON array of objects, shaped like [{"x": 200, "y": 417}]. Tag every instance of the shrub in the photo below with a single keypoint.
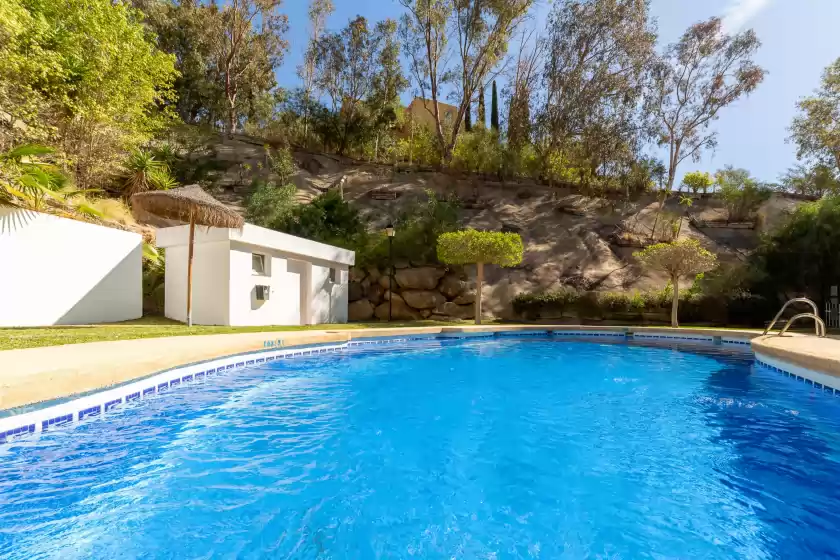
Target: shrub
[
  {"x": 552, "y": 301},
  {"x": 741, "y": 193},
  {"x": 269, "y": 205}
]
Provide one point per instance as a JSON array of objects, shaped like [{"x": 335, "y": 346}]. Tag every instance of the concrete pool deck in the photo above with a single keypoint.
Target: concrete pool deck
[{"x": 36, "y": 375}]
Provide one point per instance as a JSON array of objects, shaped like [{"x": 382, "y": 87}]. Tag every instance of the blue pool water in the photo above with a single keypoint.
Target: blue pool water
[{"x": 500, "y": 448}]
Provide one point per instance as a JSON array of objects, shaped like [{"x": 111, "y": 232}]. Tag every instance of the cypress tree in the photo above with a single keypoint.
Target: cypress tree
[
  {"x": 482, "y": 119},
  {"x": 468, "y": 118},
  {"x": 494, "y": 109}
]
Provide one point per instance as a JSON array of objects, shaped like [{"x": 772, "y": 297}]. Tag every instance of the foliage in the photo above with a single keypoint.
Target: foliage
[
  {"x": 588, "y": 114},
  {"x": 815, "y": 180},
  {"x": 741, "y": 193},
  {"x": 418, "y": 228},
  {"x": 26, "y": 179},
  {"x": 494, "y": 109},
  {"x": 154, "y": 270},
  {"x": 248, "y": 44},
  {"x": 676, "y": 259},
  {"x": 82, "y": 74},
  {"x": 282, "y": 164},
  {"x": 472, "y": 246},
  {"x": 815, "y": 130},
  {"x": 478, "y": 151},
  {"x": 705, "y": 71},
  {"x": 482, "y": 32},
  {"x": 143, "y": 172},
  {"x": 328, "y": 219},
  {"x": 270, "y": 205},
  {"x": 697, "y": 181},
  {"x": 800, "y": 258}
]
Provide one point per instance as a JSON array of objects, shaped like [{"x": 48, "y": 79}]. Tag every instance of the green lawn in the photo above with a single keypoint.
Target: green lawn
[{"x": 153, "y": 327}]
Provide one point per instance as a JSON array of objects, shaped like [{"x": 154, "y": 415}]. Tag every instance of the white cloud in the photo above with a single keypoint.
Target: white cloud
[{"x": 740, "y": 12}]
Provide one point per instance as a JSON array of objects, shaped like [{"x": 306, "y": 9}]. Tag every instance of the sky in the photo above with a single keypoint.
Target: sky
[{"x": 799, "y": 40}]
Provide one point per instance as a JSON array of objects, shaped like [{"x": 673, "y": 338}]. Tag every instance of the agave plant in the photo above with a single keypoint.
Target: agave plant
[
  {"x": 26, "y": 180},
  {"x": 144, "y": 173}
]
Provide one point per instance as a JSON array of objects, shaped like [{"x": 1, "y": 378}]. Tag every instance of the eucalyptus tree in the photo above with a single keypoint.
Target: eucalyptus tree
[
  {"x": 816, "y": 129},
  {"x": 319, "y": 11},
  {"x": 248, "y": 47},
  {"x": 597, "y": 56},
  {"x": 479, "y": 30},
  {"x": 703, "y": 72}
]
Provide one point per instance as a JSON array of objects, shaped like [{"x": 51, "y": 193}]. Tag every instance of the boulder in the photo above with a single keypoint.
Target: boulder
[
  {"x": 425, "y": 313},
  {"x": 423, "y": 278},
  {"x": 361, "y": 310},
  {"x": 357, "y": 274},
  {"x": 397, "y": 297},
  {"x": 401, "y": 263},
  {"x": 452, "y": 309},
  {"x": 465, "y": 298},
  {"x": 423, "y": 299},
  {"x": 355, "y": 291},
  {"x": 374, "y": 294},
  {"x": 383, "y": 281},
  {"x": 373, "y": 273},
  {"x": 451, "y": 286},
  {"x": 399, "y": 310}
]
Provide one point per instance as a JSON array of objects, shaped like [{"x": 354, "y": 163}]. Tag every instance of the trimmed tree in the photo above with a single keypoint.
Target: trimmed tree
[
  {"x": 697, "y": 181},
  {"x": 494, "y": 109},
  {"x": 680, "y": 258},
  {"x": 480, "y": 247}
]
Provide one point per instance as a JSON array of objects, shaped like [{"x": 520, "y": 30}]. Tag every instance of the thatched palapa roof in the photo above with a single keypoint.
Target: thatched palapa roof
[{"x": 184, "y": 203}]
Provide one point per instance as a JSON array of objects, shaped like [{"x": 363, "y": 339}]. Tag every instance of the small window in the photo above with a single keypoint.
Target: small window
[
  {"x": 334, "y": 275},
  {"x": 258, "y": 263}
]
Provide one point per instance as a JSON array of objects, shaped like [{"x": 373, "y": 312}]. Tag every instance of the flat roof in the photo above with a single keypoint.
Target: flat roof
[{"x": 258, "y": 237}]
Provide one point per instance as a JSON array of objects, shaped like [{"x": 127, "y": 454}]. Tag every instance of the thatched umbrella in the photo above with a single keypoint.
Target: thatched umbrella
[{"x": 188, "y": 204}]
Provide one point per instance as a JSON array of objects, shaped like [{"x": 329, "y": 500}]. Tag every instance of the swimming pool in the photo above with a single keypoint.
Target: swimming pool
[{"x": 494, "y": 448}]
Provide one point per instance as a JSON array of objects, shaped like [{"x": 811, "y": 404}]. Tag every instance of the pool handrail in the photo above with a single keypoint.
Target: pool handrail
[{"x": 819, "y": 325}]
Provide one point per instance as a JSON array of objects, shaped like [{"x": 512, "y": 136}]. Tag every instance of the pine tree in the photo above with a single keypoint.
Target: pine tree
[
  {"x": 494, "y": 109},
  {"x": 482, "y": 119}
]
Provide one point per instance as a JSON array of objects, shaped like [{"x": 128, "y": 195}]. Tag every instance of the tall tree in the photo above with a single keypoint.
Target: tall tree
[
  {"x": 482, "y": 112},
  {"x": 494, "y": 109},
  {"x": 468, "y": 119},
  {"x": 523, "y": 82},
  {"x": 319, "y": 11},
  {"x": 249, "y": 48},
  {"x": 482, "y": 29},
  {"x": 816, "y": 130},
  {"x": 705, "y": 71},
  {"x": 598, "y": 52}
]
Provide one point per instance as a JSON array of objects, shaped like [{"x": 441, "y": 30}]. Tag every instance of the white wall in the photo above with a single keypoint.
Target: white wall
[
  {"x": 283, "y": 305},
  {"x": 57, "y": 271},
  {"x": 329, "y": 300},
  {"x": 210, "y": 283}
]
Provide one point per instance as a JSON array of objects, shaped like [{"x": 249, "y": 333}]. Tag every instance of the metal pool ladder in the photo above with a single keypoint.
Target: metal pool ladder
[{"x": 819, "y": 326}]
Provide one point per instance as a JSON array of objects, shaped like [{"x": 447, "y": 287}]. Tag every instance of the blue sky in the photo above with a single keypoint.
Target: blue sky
[{"x": 799, "y": 40}]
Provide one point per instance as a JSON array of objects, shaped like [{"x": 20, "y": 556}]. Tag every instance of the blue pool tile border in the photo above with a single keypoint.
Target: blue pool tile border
[{"x": 101, "y": 403}]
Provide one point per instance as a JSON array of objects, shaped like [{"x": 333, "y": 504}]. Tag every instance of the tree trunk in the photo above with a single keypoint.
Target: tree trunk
[
  {"x": 479, "y": 280},
  {"x": 675, "y": 281}
]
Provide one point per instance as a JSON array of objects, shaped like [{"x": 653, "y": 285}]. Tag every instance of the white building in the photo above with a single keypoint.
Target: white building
[
  {"x": 57, "y": 271},
  {"x": 255, "y": 276}
]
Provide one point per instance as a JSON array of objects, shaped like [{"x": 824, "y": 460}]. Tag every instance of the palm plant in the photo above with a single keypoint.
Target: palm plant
[
  {"x": 146, "y": 173},
  {"x": 26, "y": 180}
]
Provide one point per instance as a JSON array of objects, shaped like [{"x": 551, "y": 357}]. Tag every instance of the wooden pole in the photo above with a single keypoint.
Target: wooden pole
[
  {"x": 189, "y": 271},
  {"x": 478, "y": 282}
]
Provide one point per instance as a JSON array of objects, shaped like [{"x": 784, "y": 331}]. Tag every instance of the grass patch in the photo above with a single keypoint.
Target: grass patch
[{"x": 155, "y": 327}]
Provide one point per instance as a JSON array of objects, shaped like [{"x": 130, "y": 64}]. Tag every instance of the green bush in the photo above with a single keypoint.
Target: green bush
[
  {"x": 417, "y": 230},
  {"x": 269, "y": 205}
]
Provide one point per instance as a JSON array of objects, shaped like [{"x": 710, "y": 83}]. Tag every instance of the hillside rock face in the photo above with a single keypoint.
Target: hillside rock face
[{"x": 420, "y": 292}]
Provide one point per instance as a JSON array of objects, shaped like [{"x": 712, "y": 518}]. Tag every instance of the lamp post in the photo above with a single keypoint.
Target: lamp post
[{"x": 389, "y": 229}]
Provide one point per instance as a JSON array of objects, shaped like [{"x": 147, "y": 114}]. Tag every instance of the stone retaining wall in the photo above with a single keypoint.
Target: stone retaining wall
[{"x": 420, "y": 292}]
